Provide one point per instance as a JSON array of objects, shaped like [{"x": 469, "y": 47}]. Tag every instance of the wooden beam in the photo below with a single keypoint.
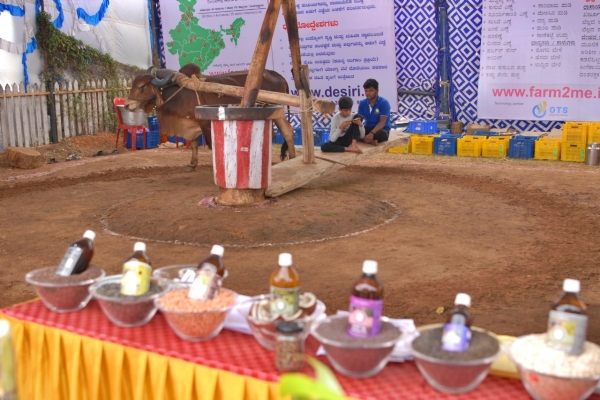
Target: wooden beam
[
  {"x": 292, "y": 174},
  {"x": 261, "y": 53},
  {"x": 306, "y": 119}
]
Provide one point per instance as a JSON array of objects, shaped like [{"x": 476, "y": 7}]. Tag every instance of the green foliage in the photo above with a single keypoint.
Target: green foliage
[
  {"x": 62, "y": 53},
  {"x": 325, "y": 386}
]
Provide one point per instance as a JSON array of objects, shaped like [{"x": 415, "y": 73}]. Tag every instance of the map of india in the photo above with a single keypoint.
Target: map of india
[{"x": 194, "y": 44}]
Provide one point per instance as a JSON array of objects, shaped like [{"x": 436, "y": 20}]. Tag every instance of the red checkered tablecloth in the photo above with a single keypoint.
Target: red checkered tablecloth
[{"x": 241, "y": 354}]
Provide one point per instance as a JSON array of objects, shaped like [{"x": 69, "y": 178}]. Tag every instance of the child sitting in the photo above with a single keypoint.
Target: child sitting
[{"x": 345, "y": 129}]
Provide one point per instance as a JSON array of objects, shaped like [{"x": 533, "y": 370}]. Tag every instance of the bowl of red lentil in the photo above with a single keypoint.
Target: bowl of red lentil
[
  {"x": 551, "y": 374},
  {"x": 63, "y": 293},
  {"x": 264, "y": 330},
  {"x": 125, "y": 310},
  {"x": 192, "y": 319}
]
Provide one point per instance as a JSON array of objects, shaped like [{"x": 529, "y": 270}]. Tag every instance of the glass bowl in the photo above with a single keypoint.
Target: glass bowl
[
  {"x": 451, "y": 376},
  {"x": 173, "y": 274},
  {"x": 544, "y": 386},
  {"x": 127, "y": 311},
  {"x": 264, "y": 331},
  {"x": 63, "y": 293},
  {"x": 196, "y": 326},
  {"x": 356, "y": 357}
]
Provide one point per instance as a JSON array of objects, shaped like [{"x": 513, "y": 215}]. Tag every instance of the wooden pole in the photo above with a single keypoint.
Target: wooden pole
[
  {"x": 291, "y": 22},
  {"x": 50, "y": 84},
  {"x": 308, "y": 140},
  {"x": 261, "y": 53}
]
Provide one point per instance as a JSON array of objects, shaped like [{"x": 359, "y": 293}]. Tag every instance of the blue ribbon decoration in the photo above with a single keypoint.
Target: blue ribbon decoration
[
  {"x": 150, "y": 24},
  {"x": 58, "y": 22},
  {"x": 96, "y": 18},
  {"x": 15, "y": 11},
  {"x": 31, "y": 47}
]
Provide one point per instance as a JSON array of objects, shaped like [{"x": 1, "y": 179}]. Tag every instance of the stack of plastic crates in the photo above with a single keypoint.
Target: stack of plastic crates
[
  {"x": 574, "y": 140},
  {"x": 594, "y": 133},
  {"x": 152, "y": 140},
  {"x": 321, "y": 136}
]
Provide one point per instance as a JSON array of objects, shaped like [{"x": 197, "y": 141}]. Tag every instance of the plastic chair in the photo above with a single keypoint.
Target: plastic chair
[{"x": 119, "y": 101}]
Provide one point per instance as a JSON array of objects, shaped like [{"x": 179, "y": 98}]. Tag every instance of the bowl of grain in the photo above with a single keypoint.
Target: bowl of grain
[
  {"x": 63, "y": 293},
  {"x": 454, "y": 372},
  {"x": 356, "y": 357},
  {"x": 126, "y": 310},
  {"x": 550, "y": 374},
  {"x": 195, "y": 320},
  {"x": 178, "y": 275}
]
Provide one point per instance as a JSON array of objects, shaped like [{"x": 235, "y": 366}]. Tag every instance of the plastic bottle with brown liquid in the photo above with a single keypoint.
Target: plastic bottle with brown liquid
[
  {"x": 214, "y": 261},
  {"x": 78, "y": 256},
  {"x": 457, "y": 330},
  {"x": 285, "y": 287},
  {"x": 366, "y": 303},
  {"x": 567, "y": 322},
  {"x": 136, "y": 272}
]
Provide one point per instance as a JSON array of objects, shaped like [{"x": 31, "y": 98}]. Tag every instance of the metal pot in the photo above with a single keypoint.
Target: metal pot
[
  {"x": 133, "y": 118},
  {"x": 592, "y": 154}
]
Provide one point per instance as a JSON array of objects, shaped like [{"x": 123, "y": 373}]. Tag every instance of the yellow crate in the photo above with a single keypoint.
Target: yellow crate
[
  {"x": 575, "y": 132},
  {"x": 469, "y": 146},
  {"x": 594, "y": 133},
  {"x": 404, "y": 149},
  {"x": 547, "y": 149},
  {"x": 422, "y": 144},
  {"x": 573, "y": 152},
  {"x": 495, "y": 146}
]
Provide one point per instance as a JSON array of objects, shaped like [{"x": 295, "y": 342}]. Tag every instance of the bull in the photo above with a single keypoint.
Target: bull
[{"x": 175, "y": 106}]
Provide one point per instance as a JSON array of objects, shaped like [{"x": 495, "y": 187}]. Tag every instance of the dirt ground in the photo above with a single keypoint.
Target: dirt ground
[{"x": 507, "y": 232}]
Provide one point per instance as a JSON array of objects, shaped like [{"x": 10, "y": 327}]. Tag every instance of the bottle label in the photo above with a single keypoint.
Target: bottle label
[
  {"x": 209, "y": 266},
  {"x": 566, "y": 331},
  {"x": 285, "y": 301},
  {"x": 364, "y": 319},
  {"x": 136, "y": 278},
  {"x": 456, "y": 337},
  {"x": 65, "y": 268},
  {"x": 205, "y": 286}
]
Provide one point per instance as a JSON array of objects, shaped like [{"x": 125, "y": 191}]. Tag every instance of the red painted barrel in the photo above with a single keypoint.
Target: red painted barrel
[{"x": 242, "y": 154}]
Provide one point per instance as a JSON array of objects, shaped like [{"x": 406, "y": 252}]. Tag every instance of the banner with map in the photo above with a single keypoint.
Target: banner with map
[{"x": 344, "y": 42}]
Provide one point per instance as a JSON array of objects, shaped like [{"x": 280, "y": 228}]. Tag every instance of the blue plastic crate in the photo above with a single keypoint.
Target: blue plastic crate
[
  {"x": 522, "y": 147},
  {"x": 278, "y": 139},
  {"x": 445, "y": 145},
  {"x": 298, "y": 136},
  {"x": 152, "y": 140},
  {"x": 153, "y": 123},
  {"x": 174, "y": 139},
  {"x": 444, "y": 131},
  {"x": 321, "y": 136},
  {"x": 484, "y": 133},
  {"x": 422, "y": 127}
]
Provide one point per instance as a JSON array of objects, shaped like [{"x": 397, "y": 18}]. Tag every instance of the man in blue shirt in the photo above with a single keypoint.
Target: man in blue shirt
[{"x": 376, "y": 111}]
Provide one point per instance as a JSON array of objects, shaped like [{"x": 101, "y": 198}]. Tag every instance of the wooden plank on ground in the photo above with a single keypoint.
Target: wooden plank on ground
[{"x": 292, "y": 174}]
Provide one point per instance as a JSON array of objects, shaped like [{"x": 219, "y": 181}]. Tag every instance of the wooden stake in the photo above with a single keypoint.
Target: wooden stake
[
  {"x": 291, "y": 22},
  {"x": 308, "y": 140},
  {"x": 261, "y": 53}
]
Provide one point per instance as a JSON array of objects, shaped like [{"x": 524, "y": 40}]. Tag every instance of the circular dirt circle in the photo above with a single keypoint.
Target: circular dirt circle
[{"x": 198, "y": 221}]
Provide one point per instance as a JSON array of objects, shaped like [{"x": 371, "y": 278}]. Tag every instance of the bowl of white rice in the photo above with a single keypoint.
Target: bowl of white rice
[{"x": 550, "y": 374}]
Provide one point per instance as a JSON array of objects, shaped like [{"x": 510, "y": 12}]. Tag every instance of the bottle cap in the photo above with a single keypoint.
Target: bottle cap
[
  {"x": 289, "y": 327},
  {"x": 217, "y": 250},
  {"x": 139, "y": 246},
  {"x": 89, "y": 235},
  {"x": 463, "y": 299},
  {"x": 369, "y": 267},
  {"x": 571, "y": 285},
  {"x": 285, "y": 259}
]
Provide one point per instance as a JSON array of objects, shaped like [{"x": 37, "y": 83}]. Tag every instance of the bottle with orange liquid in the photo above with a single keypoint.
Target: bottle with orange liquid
[
  {"x": 285, "y": 287},
  {"x": 366, "y": 303},
  {"x": 567, "y": 322}
]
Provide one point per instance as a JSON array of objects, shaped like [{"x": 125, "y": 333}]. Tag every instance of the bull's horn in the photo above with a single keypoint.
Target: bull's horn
[
  {"x": 164, "y": 82},
  {"x": 149, "y": 70}
]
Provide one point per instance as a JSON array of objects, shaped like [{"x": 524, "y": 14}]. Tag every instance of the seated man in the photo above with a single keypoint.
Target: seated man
[
  {"x": 345, "y": 129},
  {"x": 376, "y": 110}
]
